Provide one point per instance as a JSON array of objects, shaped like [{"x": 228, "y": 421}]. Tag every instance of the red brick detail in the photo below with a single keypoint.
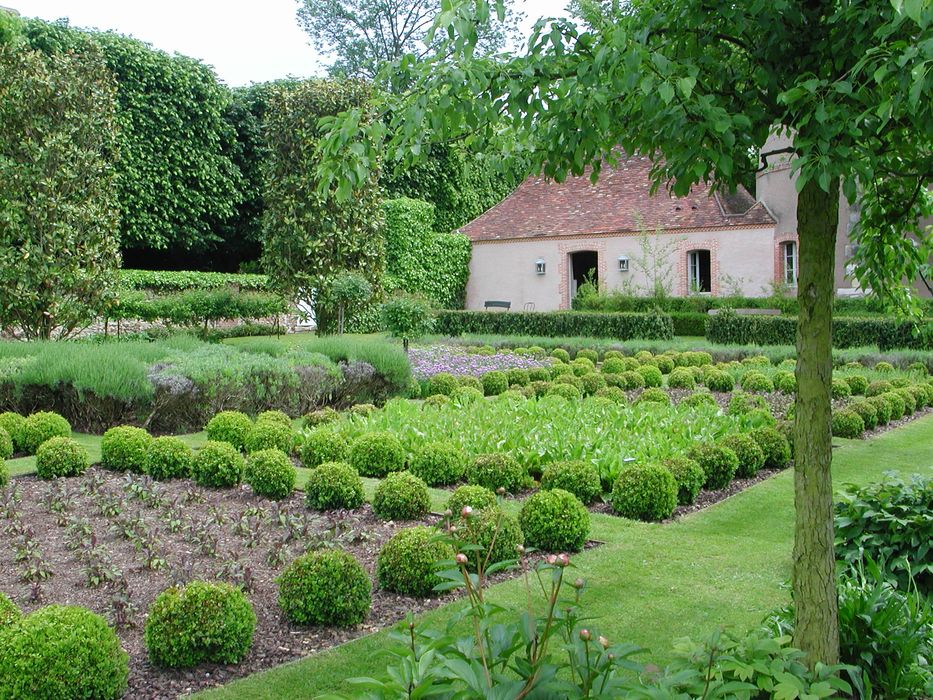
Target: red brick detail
[
  {"x": 564, "y": 250},
  {"x": 683, "y": 249},
  {"x": 779, "y": 240}
]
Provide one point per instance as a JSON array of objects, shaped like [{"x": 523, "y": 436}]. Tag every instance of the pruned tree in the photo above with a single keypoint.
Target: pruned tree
[{"x": 699, "y": 87}]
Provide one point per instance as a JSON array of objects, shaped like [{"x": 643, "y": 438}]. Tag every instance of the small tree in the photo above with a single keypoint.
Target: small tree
[
  {"x": 58, "y": 214},
  {"x": 349, "y": 290},
  {"x": 408, "y": 317}
]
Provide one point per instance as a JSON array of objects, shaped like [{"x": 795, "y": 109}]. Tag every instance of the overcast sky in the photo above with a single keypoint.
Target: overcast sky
[{"x": 245, "y": 42}]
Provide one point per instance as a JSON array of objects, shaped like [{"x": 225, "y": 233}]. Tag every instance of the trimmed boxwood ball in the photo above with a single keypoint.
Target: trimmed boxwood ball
[
  {"x": 407, "y": 563},
  {"x": 325, "y": 415},
  {"x": 681, "y": 378},
  {"x": 847, "y": 424},
  {"x": 581, "y": 366},
  {"x": 497, "y": 470},
  {"x": 473, "y": 382},
  {"x": 786, "y": 428},
  {"x": 756, "y": 382},
  {"x": 923, "y": 395},
  {"x": 614, "y": 365},
  {"x": 742, "y": 403},
  {"x": 269, "y": 433},
  {"x": 325, "y": 587},
  {"x": 274, "y": 416},
  {"x": 592, "y": 383},
  {"x": 613, "y": 393},
  {"x": 4, "y": 474},
  {"x": 270, "y": 473},
  {"x": 878, "y": 387},
  {"x": 376, "y": 454},
  {"x": 124, "y": 448},
  {"x": 539, "y": 374},
  {"x": 665, "y": 363},
  {"x": 439, "y": 463},
  {"x": 896, "y": 403},
  {"x": 587, "y": 354},
  {"x": 437, "y": 400},
  {"x": 559, "y": 369},
  {"x": 363, "y": 409},
  {"x": 882, "y": 409},
  {"x": 442, "y": 383},
  {"x": 651, "y": 375},
  {"x": 785, "y": 382},
  {"x": 560, "y": 354},
  {"x": 9, "y": 612},
  {"x": 867, "y": 411},
  {"x": 644, "y": 492},
  {"x": 654, "y": 395},
  {"x": 566, "y": 391},
  {"x": 720, "y": 381},
  {"x": 61, "y": 652},
  {"x": 910, "y": 401},
  {"x": 536, "y": 389},
  {"x": 202, "y": 622},
  {"x": 477, "y": 497},
  {"x": 699, "y": 398},
  {"x": 495, "y": 382},
  {"x": 610, "y": 354},
  {"x": 323, "y": 445},
  {"x": 13, "y": 424},
  {"x": 229, "y": 426},
  {"x": 884, "y": 367},
  {"x": 554, "y": 520},
  {"x": 719, "y": 464},
  {"x": 467, "y": 394},
  {"x": 168, "y": 457},
  {"x": 840, "y": 388},
  {"x": 571, "y": 379},
  {"x": 495, "y": 532},
  {"x": 217, "y": 464},
  {"x": 858, "y": 384},
  {"x": 61, "y": 456},
  {"x": 401, "y": 496},
  {"x": 6, "y": 444},
  {"x": 333, "y": 486},
  {"x": 39, "y": 427},
  {"x": 643, "y": 356},
  {"x": 576, "y": 476},
  {"x": 751, "y": 456},
  {"x": 689, "y": 477},
  {"x": 518, "y": 376},
  {"x": 632, "y": 380},
  {"x": 774, "y": 445}
]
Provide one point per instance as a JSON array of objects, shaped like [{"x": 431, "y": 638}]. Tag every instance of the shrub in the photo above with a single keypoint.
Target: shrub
[
  {"x": 442, "y": 383},
  {"x": 896, "y": 403},
  {"x": 689, "y": 477},
  {"x": 613, "y": 393},
  {"x": 124, "y": 449},
  {"x": 363, "y": 409},
  {"x": 61, "y": 456},
  {"x": 651, "y": 375},
  {"x": 560, "y": 354},
  {"x": 321, "y": 416},
  {"x": 217, "y": 464},
  {"x": 469, "y": 380},
  {"x": 785, "y": 382},
  {"x": 62, "y": 652},
  {"x": 592, "y": 383},
  {"x": 751, "y": 456},
  {"x": 633, "y": 380},
  {"x": 718, "y": 380},
  {"x": 882, "y": 409},
  {"x": 645, "y": 492},
  {"x": 477, "y": 497},
  {"x": 323, "y": 445},
  {"x": 201, "y": 622},
  {"x": 376, "y": 454},
  {"x": 681, "y": 378},
  {"x": 274, "y": 416},
  {"x": 496, "y": 533},
  {"x": 268, "y": 434},
  {"x": 587, "y": 354},
  {"x": 699, "y": 398},
  {"x": 576, "y": 476},
  {"x": 719, "y": 464},
  {"x": 614, "y": 365},
  {"x": 582, "y": 365},
  {"x": 518, "y": 376},
  {"x": 497, "y": 470},
  {"x": 774, "y": 445},
  {"x": 923, "y": 395},
  {"x": 437, "y": 400},
  {"x": 325, "y": 587},
  {"x": 840, "y": 388},
  {"x": 554, "y": 520},
  {"x": 654, "y": 395},
  {"x": 439, "y": 464},
  {"x": 332, "y": 486},
  {"x": 41, "y": 426},
  {"x": 9, "y": 612},
  {"x": 230, "y": 427},
  {"x": 847, "y": 424},
  {"x": 401, "y": 496},
  {"x": 756, "y": 382},
  {"x": 168, "y": 457},
  {"x": 884, "y": 367},
  {"x": 12, "y": 423},
  {"x": 742, "y": 403},
  {"x": 910, "y": 401},
  {"x": 881, "y": 386},
  {"x": 539, "y": 374},
  {"x": 567, "y": 391},
  {"x": 4, "y": 474},
  {"x": 270, "y": 473},
  {"x": 495, "y": 382},
  {"x": 867, "y": 411},
  {"x": 407, "y": 563},
  {"x": 6, "y": 445}
]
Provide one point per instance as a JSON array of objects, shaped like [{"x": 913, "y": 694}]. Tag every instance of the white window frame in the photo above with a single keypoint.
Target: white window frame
[
  {"x": 693, "y": 271},
  {"x": 790, "y": 263}
]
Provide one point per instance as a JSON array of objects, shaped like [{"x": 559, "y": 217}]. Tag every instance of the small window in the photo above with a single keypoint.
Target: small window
[
  {"x": 699, "y": 272},
  {"x": 789, "y": 258}
]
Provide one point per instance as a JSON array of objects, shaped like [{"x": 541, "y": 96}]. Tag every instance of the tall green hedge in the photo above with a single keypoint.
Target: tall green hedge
[
  {"x": 184, "y": 280},
  {"x": 198, "y": 306},
  {"x": 623, "y": 326}
]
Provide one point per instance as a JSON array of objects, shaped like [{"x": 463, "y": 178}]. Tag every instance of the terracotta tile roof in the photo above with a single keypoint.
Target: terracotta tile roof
[{"x": 619, "y": 202}]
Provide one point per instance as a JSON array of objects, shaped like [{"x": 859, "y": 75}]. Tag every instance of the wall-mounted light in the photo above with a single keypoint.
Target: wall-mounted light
[
  {"x": 540, "y": 266},
  {"x": 623, "y": 263}
]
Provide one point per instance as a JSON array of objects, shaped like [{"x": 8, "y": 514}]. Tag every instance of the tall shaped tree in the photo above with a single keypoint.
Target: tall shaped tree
[{"x": 699, "y": 86}]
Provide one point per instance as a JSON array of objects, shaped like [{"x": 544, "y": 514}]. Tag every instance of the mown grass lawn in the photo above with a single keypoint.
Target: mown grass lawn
[{"x": 649, "y": 584}]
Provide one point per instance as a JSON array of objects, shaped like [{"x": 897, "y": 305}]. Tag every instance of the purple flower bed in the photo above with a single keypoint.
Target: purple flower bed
[{"x": 428, "y": 361}]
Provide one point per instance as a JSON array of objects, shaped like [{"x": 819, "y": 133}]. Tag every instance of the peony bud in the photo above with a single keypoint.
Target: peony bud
[
  {"x": 501, "y": 490},
  {"x": 461, "y": 558},
  {"x": 604, "y": 642},
  {"x": 563, "y": 560},
  {"x": 585, "y": 635},
  {"x": 466, "y": 512},
  {"x": 448, "y": 513},
  {"x": 579, "y": 583},
  {"x": 520, "y": 548},
  {"x": 551, "y": 559}
]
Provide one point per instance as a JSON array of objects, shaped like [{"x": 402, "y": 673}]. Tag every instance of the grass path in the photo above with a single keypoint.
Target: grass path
[{"x": 726, "y": 565}]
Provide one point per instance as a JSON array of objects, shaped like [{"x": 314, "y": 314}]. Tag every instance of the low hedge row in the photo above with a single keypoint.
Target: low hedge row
[
  {"x": 181, "y": 280},
  {"x": 197, "y": 307},
  {"x": 730, "y": 327},
  {"x": 624, "y": 326},
  {"x": 689, "y": 323}
]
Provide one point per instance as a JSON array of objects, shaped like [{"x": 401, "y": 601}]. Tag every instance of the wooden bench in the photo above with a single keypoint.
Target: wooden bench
[
  {"x": 751, "y": 312},
  {"x": 497, "y": 305}
]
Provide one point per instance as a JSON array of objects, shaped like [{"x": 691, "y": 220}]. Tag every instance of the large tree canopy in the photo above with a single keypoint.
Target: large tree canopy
[{"x": 699, "y": 86}]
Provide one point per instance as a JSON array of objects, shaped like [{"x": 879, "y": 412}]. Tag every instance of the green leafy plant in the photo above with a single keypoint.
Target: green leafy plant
[
  {"x": 751, "y": 456},
  {"x": 39, "y": 427},
  {"x": 407, "y": 317},
  {"x": 124, "y": 448},
  {"x": 217, "y": 464},
  {"x": 323, "y": 445},
  {"x": 477, "y": 497},
  {"x": 847, "y": 424},
  {"x": 408, "y": 561},
  {"x": 270, "y": 434},
  {"x": 325, "y": 587},
  {"x": 9, "y": 612},
  {"x": 718, "y": 462},
  {"x": 439, "y": 463},
  {"x": 12, "y": 423},
  {"x": 377, "y": 454},
  {"x": 497, "y": 470},
  {"x": 689, "y": 477},
  {"x": 168, "y": 457},
  {"x": 644, "y": 492},
  {"x": 554, "y": 520},
  {"x": 494, "y": 383},
  {"x": 576, "y": 476},
  {"x": 61, "y": 456},
  {"x": 334, "y": 485},
  {"x": 401, "y": 496},
  {"x": 6, "y": 445},
  {"x": 270, "y": 473},
  {"x": 229, "y": 426},
  {"x": 488, "y": 537},
  {"x": 775, "y": 446}
]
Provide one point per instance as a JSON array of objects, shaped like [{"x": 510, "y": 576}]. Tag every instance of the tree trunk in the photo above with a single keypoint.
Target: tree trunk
[{"x": 814, "y": 576}]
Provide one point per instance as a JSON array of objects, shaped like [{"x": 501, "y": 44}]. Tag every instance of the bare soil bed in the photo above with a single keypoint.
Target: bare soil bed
[{"x": 111, "y": 543}]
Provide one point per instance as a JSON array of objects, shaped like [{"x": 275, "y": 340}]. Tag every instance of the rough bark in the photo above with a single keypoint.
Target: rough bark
[{"x": 814, "y": 575}]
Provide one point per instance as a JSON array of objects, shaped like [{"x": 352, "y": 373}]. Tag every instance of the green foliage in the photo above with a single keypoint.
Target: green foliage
[
  {"x": 756, "y": 382},
  {"x": 910, "y": 402},
  {"x": 124, "y": 448},
  {"x": 321, "y": 416},
  {"x": 491, "y": 534},
  {"x": 439, "y": 463},
  {"x": 557, "y": 323},
  {"x": 477, "y": 497},
  {"x": 377, "y": 454},
  {"x": 6, "y": 445},
  {"x": 858, "y": 384},
  {"x": 653, "y": 395},
  {"x": 651, "y": 375},
  {"x": 751, "y": 456},
  {"x": 554, "y": 520},
  {"x": 882, "y": 409},
  {"x": 689, "y": 477},
  {"x": 741, "y": 403},
  {"x": 401, "y": 496},
  {"x": 576, "y": 476},
  {"x": 269, "y": 434},
  {"x": 58, "y": 217},
  {"x": 407, "y": 316},
  {"x": 774, "y": 445},
  {"x": 878, "y": 387},
  {"x": 270, "y": 473},
  {"x": 230, "y": 427},
  {"x": 217, "y": 464},
  {"x": 497, "y": 470},
  {"x": 332, "y": 486},
  {"x": 896, "y": 404},
  {"x": 168, "y": 457},
  {"x": 4, "y": 474},
  {"x": 165, "y": 281},
  {"x": 443, "y": 383},
  {"x": 699, "y": 398},
  {"x": 196, "y": 308},
  {"x": 39, "y": 427},
  {"x": 61, "y": 652},
  {"x": 9, "y": 612},
  {"x": 681, "y": 378},
  {"x": 495, "y": 382},
  {"x": 12, "y": 423},
  {"x": 785, "y": 382},
  {"x": 325, "y": 587},
  {"x": 61, "y": 456},
  {"x": 847, "y": 424},
  {"x": 198, "y": 623},
  {"x": 866, "y": 411},
  {"x": 645, "y": 492},
  {"x": 323, "y": 445},
  {"x": 719, "y": 381},
  {"x": 840, "y": 388},
  {"x": 407, "y": 563},
  {"x": 718, "y": 462}
]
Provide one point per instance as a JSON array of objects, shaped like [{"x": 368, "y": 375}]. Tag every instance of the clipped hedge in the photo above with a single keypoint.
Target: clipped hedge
[
  {"x": 408, "y": 561},
  {"x": 325, "y": 587},
  {"x": 687, "y": 323},
  {"x": 624, "y": 326},
  {"x": 184, "y": 280},
  {"x": 198, "y": 307}
]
